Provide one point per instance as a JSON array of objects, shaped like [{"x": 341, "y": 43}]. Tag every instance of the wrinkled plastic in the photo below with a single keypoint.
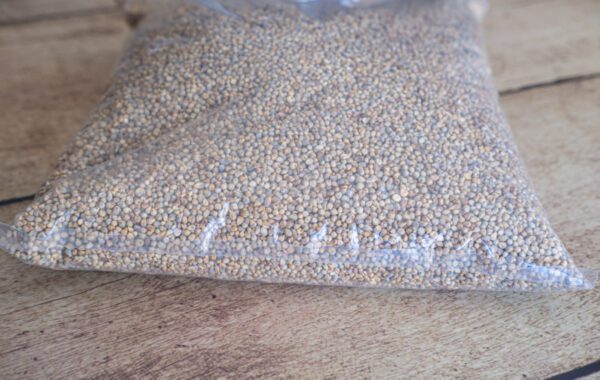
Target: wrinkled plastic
[{"x": 379, "y": 159}]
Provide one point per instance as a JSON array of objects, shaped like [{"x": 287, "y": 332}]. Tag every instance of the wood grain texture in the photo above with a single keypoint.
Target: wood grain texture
[
  {"x": 8, "y": 212},
  {"x": 110, "y": 325},
  {"x": 52, "y": 74},
  {"x": 18, "y": 11},
  {"x": 99, "y": 325},
  {"x": 532, "y": 41}
]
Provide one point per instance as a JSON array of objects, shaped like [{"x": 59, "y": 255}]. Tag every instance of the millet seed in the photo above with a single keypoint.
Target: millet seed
[{"x": 367, "y": 148}]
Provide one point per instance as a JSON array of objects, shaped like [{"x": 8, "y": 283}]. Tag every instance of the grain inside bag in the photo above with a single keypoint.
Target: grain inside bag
[{"x": 272, "y": 141}]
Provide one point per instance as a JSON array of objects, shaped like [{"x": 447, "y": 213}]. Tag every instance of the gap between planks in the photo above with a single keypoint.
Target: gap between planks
[{"x": 533, "y": 86}]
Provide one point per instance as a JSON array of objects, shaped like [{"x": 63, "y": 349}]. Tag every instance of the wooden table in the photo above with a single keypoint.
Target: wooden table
[{"x": 56, "y": 58}]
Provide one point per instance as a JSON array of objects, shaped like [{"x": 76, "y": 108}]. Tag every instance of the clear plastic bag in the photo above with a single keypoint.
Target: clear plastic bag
[{"x": 326, "y": 142}]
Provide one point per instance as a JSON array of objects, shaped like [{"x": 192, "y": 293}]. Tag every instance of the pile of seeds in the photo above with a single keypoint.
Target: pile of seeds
[{"x": 260, "y": 143}]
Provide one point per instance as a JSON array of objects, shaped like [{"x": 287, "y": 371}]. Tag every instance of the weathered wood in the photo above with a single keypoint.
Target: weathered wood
[
  {"x": 18, "y": 11},
  {"x": 52, "y": 74},
  {"x": 68, "y": 324},
  {"x": 532, "y": 41},
  {"x": 8, "y": 212}
]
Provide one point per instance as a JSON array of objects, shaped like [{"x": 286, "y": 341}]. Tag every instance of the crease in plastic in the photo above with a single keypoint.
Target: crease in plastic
[{"x": 418, "y": 257}]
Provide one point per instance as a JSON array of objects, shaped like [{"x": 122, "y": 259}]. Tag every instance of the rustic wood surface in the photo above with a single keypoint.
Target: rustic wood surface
[
  {"x": 53, "y": 72},
  {"x": 532, "y": 42},
  {"x": 22, "y": 11},
  {"x": 108, "y": 325}
]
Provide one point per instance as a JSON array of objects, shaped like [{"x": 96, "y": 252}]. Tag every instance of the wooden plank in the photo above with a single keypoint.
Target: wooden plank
[
  {"x": 111, "y": 325},
  {"x": 8, "y": 212},
  {"x": 251, "y": 317},
  {"x": 52, "y": 74},
  {"x": 17, "y": 11},
  {"x": 531, "y": 41}
]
